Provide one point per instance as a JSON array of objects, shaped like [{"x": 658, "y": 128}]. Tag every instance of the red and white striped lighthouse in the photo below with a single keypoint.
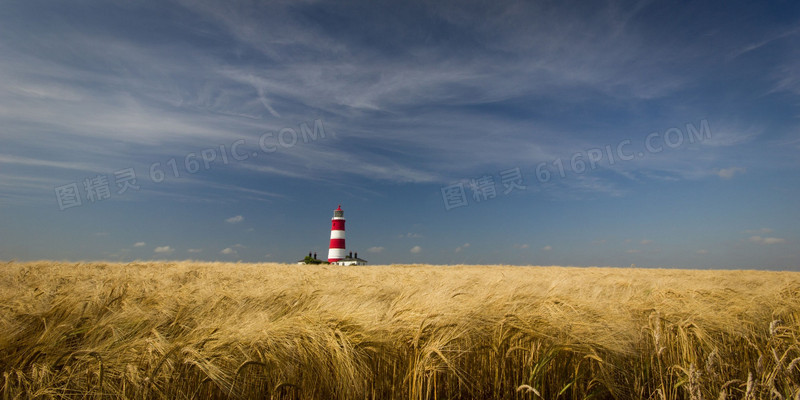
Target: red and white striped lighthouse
[{"x": 336, "y": 251}]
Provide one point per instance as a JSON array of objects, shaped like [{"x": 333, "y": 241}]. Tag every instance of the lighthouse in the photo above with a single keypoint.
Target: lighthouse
[{"x": 336, "y": 251}]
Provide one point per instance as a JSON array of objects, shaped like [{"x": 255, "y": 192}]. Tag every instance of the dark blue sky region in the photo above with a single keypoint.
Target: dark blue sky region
[{"x": 569, "y": 133}]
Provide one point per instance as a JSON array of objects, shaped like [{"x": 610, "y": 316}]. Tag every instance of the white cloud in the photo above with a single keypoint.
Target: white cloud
[
  {"x": 194, "y": 250},
  {"x": 235, "y": 220},
  {"x": 229, "y": 251},
  {"x": 766, "y": 240},
  {"x": 547, "y": 248},
  {"x": 521, "y": 246},
  {"x": 701, "y": 252},
  {"x": 728, "y": 173},
  {"x": 416, "y": 249},
  {"x": 631, "y": 251},
  {"x": 646, "y": 242},
  {"x": 163, "y": 250},
  {"x": 462, "y": 247},
  {"x": 375, "y": 249},
  {"x": 139, "y": 244},
  {"x": 410, "y": 235}
]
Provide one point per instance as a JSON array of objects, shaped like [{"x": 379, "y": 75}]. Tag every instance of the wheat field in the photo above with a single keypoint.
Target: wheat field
[{"x": 192, "y": 330}]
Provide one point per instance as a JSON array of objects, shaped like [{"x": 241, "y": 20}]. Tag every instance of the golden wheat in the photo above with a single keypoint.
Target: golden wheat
[{"x": 214, "y": 330}]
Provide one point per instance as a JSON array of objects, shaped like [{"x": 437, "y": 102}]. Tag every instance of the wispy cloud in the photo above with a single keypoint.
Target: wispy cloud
[
  {"x": 732, "y": 133},
  {"x": 416, "y": 250},
  {"x": 765, "y": 41},
  {"x": 33, "y": 162}
]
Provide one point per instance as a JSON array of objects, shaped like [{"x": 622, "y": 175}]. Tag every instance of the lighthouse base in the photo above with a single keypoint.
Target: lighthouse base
[{"x": 336, "y": 255}]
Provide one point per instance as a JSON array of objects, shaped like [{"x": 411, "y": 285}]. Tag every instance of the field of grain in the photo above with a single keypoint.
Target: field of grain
[{"x": 213, "y": 330}]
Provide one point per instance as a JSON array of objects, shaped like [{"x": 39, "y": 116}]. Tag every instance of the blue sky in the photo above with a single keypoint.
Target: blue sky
[{"x": 570, "y": 133}]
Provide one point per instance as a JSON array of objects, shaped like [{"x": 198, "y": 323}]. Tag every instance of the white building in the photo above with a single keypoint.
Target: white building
[{"x": 350, "y": 259}]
